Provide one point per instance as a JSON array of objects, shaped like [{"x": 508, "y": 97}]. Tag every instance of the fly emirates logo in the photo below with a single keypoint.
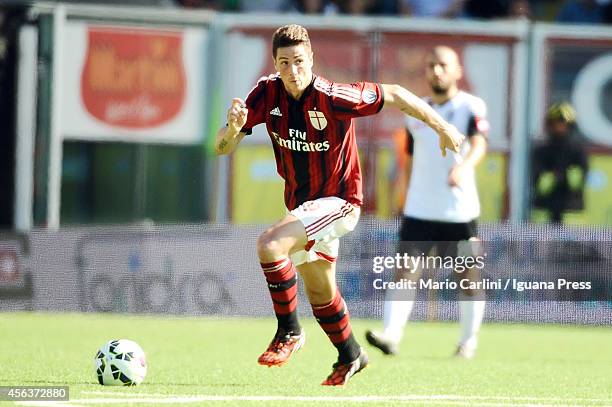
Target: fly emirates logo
[{"x": 297, "y": 142}]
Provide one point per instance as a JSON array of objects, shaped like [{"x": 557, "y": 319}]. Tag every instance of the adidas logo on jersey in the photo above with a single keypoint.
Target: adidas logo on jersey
[{"x": 276, "y": 112}]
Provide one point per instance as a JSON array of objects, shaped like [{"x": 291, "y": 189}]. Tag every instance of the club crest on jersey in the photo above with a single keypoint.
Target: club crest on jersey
[{"x": 317, "y": 119}]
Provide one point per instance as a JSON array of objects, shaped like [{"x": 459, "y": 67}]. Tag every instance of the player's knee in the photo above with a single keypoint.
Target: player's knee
[{"x": 268, "y": 245}]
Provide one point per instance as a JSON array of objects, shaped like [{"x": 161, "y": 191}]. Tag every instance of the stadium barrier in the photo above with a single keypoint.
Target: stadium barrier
[{"x": 212, "y": 269}]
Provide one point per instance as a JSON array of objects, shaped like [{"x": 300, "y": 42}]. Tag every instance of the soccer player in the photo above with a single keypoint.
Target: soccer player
[
  {"x": 441, "y": 204},
  {"x": 309, "y": 121}
]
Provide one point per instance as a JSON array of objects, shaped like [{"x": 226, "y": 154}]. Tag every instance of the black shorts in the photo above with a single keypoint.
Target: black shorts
[{"x": 427, "y": 234}]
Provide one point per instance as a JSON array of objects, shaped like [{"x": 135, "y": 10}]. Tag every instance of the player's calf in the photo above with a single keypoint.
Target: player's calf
[{"x": 334, "y": 319}]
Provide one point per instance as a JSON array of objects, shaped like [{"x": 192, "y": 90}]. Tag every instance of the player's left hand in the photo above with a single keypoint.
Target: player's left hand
[
  {"x": 450, "y": 138},
  {"x": 456, "y": 175}
]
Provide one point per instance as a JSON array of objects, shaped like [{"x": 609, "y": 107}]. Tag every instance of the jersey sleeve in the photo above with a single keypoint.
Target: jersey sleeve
[
  {"x": 478, "y": 123},
  {"x": 255, "y": 103},
  {"x": 356, "y": 99},
  {"x": 409, "y": 143},
  {"x": 408, "y": 123}
]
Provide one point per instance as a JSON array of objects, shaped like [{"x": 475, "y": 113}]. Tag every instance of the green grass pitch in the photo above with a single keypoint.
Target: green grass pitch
[{"x": 208, "y": 361}]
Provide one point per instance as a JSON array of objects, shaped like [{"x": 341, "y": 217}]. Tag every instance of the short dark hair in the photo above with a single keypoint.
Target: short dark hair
[{"x": 289, "y": 35}]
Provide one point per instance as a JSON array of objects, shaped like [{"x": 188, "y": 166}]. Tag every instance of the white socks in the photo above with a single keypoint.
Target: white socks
[
  {"x": 397, "y": 314},
  {"x": 398, "y": 307},
  {"x": 472, "y": 313}
]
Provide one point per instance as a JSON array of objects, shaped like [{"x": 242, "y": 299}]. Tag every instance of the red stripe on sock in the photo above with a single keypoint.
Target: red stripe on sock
[
  {"x": 335, "y": 306},
  {"x": 289, "y": 296},
  {"x": 341, "y": 337},
  {"x": 272, "y": 264},
  {"x": 282, "y": 275},
  {"x": 284, "y": 296},
  {"x": 284, "y": 309},
  {"x": 337, "y": 332}
]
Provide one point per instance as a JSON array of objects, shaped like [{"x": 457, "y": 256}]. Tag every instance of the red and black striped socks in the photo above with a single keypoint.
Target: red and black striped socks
[
  {"x": 282, "y": 283},
  {"x": 334, "y": 319}
]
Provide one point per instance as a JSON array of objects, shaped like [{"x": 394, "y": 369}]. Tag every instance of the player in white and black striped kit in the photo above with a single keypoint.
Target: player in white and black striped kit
[{"x": 442, "y": 203}]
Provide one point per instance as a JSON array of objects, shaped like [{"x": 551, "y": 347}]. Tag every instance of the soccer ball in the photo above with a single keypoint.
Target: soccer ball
[{"x": 120, "y": 362}]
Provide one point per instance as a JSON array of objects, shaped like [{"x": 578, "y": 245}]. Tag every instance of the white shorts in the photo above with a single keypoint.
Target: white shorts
[{"x": 325, "y": 220}]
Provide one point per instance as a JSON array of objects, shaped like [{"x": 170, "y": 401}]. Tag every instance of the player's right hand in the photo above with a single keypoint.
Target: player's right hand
[
  {"x": 451, "y": 139},
  {"x": 237, "y": 114}
]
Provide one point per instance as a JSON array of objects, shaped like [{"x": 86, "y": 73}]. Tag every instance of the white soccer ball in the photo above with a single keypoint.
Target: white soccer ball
[{"x": 120, "y": 362}]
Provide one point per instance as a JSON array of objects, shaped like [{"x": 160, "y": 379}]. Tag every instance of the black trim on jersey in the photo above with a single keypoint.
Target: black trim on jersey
[
  {"x": 342, "y": 109},
  {"x": 301, "y": 160},
  {"x": 410, "y": 143},
  {"x": 382, "y": 96},
  {"x": 342, "y": 189},
  {"x": 472, "y": 130},
  {"x": 260, "y": 91},
  {"x": 322, "y": 160}
]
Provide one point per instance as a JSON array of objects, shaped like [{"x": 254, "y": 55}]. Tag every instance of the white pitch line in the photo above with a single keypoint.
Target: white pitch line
[
  {"x": 353, "y": 399},
  {"x": 198, "y": 399},
  {"x": 409, "y": 397},
  {"x": 47, "y": 403}
]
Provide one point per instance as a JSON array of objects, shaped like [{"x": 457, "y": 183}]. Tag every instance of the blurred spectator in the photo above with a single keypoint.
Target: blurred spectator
[
  {"x": 559, "y": 165},
  {"x": 388, "y": 7},
  {"x": 607, "y": 12},
  {"x": 582, "y": 12},
  {"x": 208, "y": 4},
  {"x": 219, "y": 5},
  {"x": 355, "y": 7},
  {"x": 145, "y": 3},
  {"x": 314, "y": 7},
  {"x": 520, "y": 9},
  {"x": 487, "y": 9},
  {"x": 431, "y": 8},
  {"x": 263, "y": 6}
]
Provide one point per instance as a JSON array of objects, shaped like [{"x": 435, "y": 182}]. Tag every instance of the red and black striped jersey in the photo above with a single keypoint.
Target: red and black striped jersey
[{"x": 314, "y": 137}]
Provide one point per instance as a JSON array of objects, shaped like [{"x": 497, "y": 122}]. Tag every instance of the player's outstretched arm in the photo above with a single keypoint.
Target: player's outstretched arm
[
  {"x": 478, "y": 149},
  {"x": 407, "y": 102},
  {"x": 229, "y": 136}
]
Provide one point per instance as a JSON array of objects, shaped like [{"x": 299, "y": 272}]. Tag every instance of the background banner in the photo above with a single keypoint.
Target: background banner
[
  {"x": 213, "y": 269},
  {"x": 134, "y": 84}
]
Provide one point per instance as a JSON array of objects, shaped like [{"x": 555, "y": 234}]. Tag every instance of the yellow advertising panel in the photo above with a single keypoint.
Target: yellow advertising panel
[{"x": 257, "y": 189}]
